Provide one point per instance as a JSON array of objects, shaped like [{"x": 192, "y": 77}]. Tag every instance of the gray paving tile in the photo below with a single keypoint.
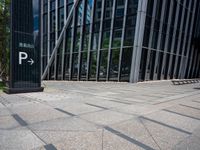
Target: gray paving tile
[
  {"x": 8, "y": 122},
  {"x": 132, "y": 128},
  {"x": 37, "y": 113},
  {"x": 106, "y": 117},
  {"x": 131, "y": 140},
  {"x": 166, "y": 125},
  {"x": 1, "y": 105},
  {"x": 192, "y": 104},
  {"x": 182, "y": 122},
  {"x": 64, "y": 124},
  {"x": 80, "y": 108},
  {"x": 18, "y": 140},
  {"x": 115, "y": 142},
  {"x": 73, "y": 140},
  {"x": 164, "y": 135},
  {"x": 102, "y": 101},
  {"x": 185, "y": 114},
  {"x": 137, "y": 109},
  {"x": 196, "y": 132},
  {"x": 4, "y": 112},
  {"x": 190, "y": 143}
]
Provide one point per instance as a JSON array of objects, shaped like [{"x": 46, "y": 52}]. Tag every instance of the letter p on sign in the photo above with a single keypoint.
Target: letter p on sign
[{"x": 22, "y": 56}]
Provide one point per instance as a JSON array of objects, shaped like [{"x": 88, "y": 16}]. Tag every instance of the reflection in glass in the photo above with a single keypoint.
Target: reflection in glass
[
  {"x": 114, "y": 65},
  {"x": 103, "y": 64},
  {"x": 66, "y": 67},
  {"x": 75, "y": 66},
  {"x": 126, "y": 64},
  {"x": 93, "y": 66},
  {"x": 83, "y": 65}
]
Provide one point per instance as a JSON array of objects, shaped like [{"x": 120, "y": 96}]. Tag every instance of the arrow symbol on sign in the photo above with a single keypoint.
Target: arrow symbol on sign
[{"x": 31, "y": 61}]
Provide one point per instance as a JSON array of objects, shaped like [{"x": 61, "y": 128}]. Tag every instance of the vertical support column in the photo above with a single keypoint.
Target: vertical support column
[
  {"x": 159, "y": 38},
  {"x": 55, "y": 62},
  {"x": 64, "y": 42},
  {"x": 179, "y": 42},
  {"x": 138, "y": 40},
  {"x": 151, "y": 37},
  {"x": 111, "y": 39},
  {"x": 81, "y": 38},
  {"x": 90, "y": 40},
  {"x": 181, "y": 74},
  {"x": 72, "y": 43},
  {"x": 122, "y": 39},
  {"x": 63, "y": 56},
  {"x": 41, "y": 34},
  {"x": 190, "y": 37},
  {"x": 100, "y": 39},
  {"x": 167, "y": 36},
  {"x": 174, "y": 38},
  {"x": 48, "y": 37}
]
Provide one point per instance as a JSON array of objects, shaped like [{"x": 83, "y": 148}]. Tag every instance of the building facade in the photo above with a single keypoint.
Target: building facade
[{"x": 119, "y": 40}]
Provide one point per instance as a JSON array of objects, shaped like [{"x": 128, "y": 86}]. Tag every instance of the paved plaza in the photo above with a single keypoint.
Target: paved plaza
[{"x": 102, "y": 116}]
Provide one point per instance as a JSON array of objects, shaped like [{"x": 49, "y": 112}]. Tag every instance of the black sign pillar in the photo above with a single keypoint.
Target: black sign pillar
[{"x": 25, "y": 75}]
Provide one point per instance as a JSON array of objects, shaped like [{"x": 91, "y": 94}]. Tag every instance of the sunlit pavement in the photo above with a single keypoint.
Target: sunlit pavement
[{"x": 96, "y": 116}]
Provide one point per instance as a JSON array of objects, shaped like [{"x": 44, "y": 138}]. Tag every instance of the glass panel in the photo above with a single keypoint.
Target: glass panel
[
  {"x": 114, "y": 65},
  {"x": 146, "y": 37},
  {"x": 52, "y": 21},
  {"x": 75, "y": 66},
  {"x": 172, "y": 67},
  {"x": 95, "y": 41},
  {"x": 166, "y": 67},
  {"x": 132, "y": 7},
  {"x": 152, "y": 64},
  {"x": 60, "y": 3},
  {"x": 52, "y": 75},
  {"x": 106, "y": 39},
  {"x": 178, "y": 67},
  {"x": 117, "y": 38},
  {"x": 143, "y": 64},
  {"x": 59, "y": 63},
  {"x": 130, "y": 30},
  {"x": 129, "y": 36},
  {"x": 68, "y": 40},
  {"x": 120, "y": 8},
  {"x": 60, "y": 20},
  {"x": 93, "y": 65},
  {"x": 159, "y": 66},
  {"x": 66, "y": 67},
  {"x": 126, "y": 64},
  {"x": 103, "y": 64},
  {"x": 77, "y": 40},
  {"x": 44, "y": 62},
  {"x": 83, "y": 66}
]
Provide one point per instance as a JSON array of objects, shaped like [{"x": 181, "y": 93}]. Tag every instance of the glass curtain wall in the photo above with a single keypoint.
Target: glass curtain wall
[
  {"x": 98, "y": 45},
  {"x": 167, "y": 36}
]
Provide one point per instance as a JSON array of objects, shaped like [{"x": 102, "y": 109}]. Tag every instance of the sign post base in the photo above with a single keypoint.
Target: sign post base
[{"x": 22, "y": 90}]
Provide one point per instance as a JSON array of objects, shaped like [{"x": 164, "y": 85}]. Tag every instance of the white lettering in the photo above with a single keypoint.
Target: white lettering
[{"x": 22, "y": 56}]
